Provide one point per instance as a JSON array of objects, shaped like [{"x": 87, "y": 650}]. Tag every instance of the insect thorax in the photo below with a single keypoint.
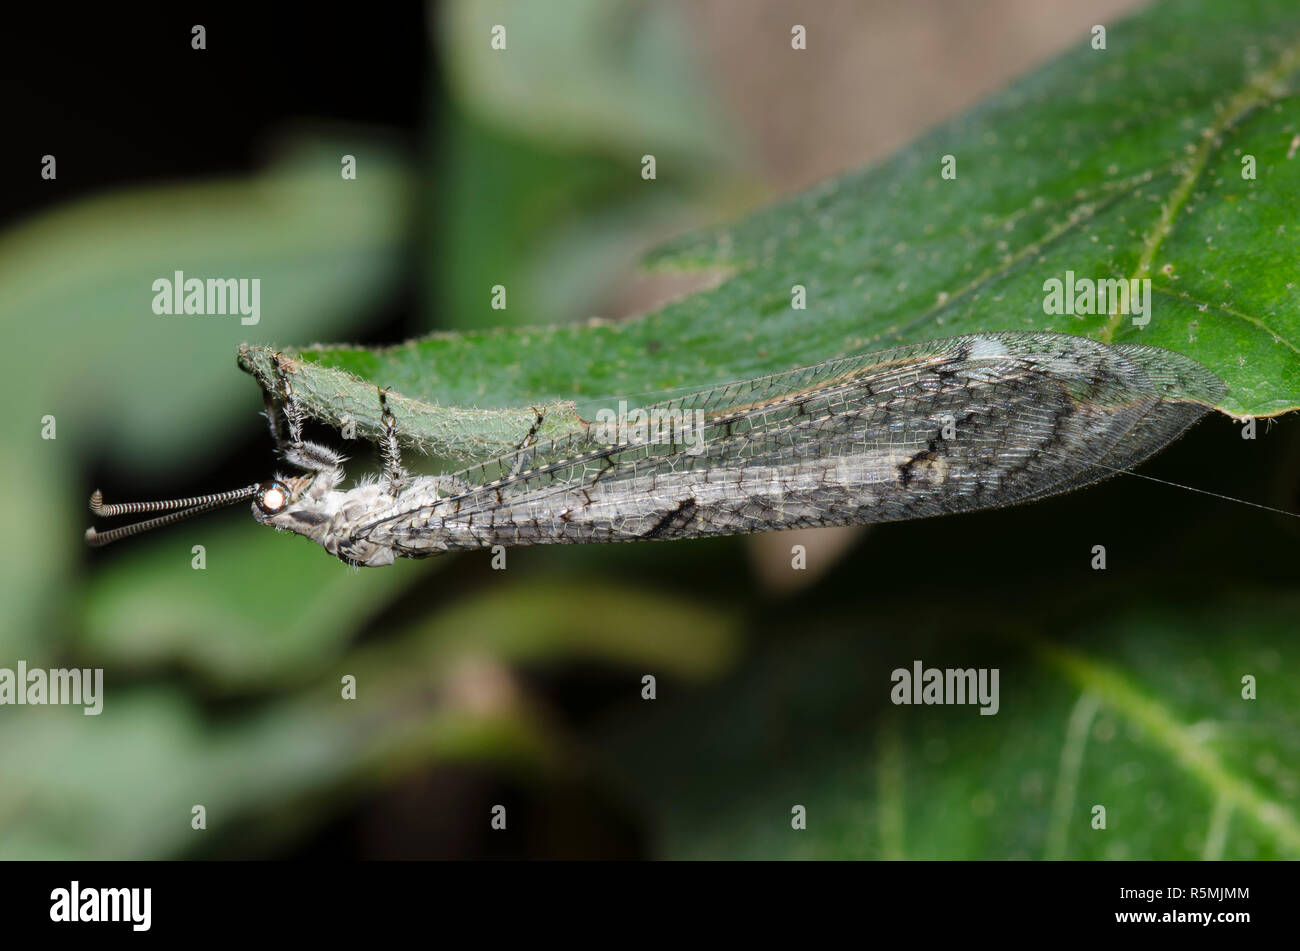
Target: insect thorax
[{"x": 337, "y": 519}]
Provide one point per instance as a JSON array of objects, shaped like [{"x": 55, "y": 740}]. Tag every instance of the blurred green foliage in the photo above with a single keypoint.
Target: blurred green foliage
[
  {"x": 1120, "y": 687},
  {"x": 1148, "y": 723},
  {"x": 1065, "y": 171},
  {"x": 537, "y": 183}
]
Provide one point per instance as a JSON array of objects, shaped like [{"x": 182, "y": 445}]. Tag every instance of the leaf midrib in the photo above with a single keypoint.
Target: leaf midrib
[
  {"x": 1127, "y": 700},
  {"x": 1258, "y": 91}
]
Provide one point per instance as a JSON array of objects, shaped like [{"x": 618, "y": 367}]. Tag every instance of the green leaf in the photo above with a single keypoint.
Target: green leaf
[
  {"x": 1139, "y": 710},
  {"x": 122, "y": 785},
  {"x": 157, "y": 393},
  {"x": 292, "y": 615},
  {"x": 557, "y": 619},
  {"x": 569, "y": 214},
  {"x": 153, "y": 610},
  {"x": 1116, "y": 163},
  {"x": 339, "y": 398},
  {"x": 436, "y": 691},
  {"x": 76, "y": 290}
]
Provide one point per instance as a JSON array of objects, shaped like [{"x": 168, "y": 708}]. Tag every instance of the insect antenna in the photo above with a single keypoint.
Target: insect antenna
[
  {"x": 1192, "y": 488},
  {"x": 186, "y": 507}
]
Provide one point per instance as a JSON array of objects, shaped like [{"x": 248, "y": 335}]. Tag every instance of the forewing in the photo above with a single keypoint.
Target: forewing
[{"x": 856, "y": 440}]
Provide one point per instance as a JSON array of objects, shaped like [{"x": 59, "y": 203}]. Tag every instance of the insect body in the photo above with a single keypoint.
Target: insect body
[{"x": 937, "y": 428}]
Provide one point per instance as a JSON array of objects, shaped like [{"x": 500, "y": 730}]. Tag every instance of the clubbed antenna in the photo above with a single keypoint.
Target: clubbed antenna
[{"x": 187, "y": 508}]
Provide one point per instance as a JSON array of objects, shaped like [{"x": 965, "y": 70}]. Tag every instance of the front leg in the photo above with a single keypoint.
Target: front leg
[
  {"x": 395, "y": 477},
  {"x": 528, "y": 442},
  {"x": 308, "y": 456}
]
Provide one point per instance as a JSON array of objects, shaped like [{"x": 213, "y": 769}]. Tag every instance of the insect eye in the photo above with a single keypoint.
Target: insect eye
[{"x": 272, "y": 497}]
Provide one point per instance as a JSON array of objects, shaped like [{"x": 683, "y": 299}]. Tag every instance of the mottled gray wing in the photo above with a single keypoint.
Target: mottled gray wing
[{"x": 849, "y": 441}]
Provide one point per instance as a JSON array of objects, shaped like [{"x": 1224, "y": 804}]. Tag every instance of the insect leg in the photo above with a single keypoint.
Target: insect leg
[
  {"x": 529, "y": 440},
  {"x": 293, "y": 412},
  {"x": 395, "y": 477},
  {"x": 309, "y": 456},
  {"x": 273, "y": 420}
]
